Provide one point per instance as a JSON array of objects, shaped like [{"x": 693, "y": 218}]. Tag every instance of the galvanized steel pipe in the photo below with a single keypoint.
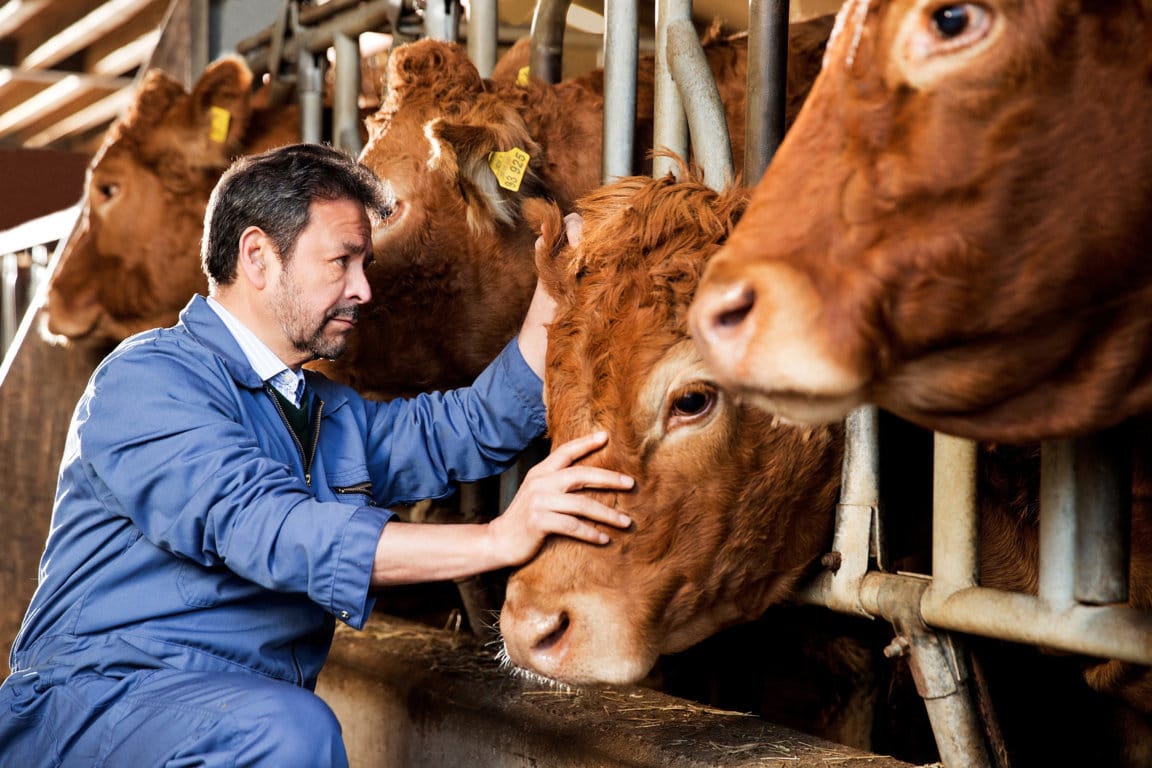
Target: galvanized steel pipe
[
  {"x": 767, "y": 84},
  {"x": 548, "y": 22},
  {"x": 708, "y": 126},
  {"x": 671, "y": 124},
  {"x": 483, "y": 33},
  {"x": 346, "y": 97},
  {"x": 621, "y": 54}
]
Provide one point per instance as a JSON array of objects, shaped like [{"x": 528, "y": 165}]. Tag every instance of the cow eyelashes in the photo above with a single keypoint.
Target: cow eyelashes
[{"x": 690, "y": 405}]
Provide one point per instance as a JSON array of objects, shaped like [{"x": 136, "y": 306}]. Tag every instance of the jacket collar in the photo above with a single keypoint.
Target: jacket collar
[{"x": 206, "y": 327}]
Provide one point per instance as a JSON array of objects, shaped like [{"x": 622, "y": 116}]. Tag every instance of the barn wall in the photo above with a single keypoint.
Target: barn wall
[
  {"x": 36, "y": 400},
  {"x": 37, "y": 182}
]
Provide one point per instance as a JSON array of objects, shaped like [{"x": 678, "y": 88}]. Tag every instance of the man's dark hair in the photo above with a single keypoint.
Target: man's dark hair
[{"x": 273, "y": 191}]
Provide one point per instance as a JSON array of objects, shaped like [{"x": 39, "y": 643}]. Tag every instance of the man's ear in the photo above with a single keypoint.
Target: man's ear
[{"x": 255, "y": 251}]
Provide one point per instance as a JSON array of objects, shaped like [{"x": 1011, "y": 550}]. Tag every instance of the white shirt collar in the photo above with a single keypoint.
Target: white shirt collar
[{"x": 263, "y": 360}]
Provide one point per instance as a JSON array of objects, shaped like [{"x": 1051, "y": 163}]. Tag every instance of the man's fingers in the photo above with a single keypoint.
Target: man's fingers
[
  {"x": 575, "y": 508},
  {"x": 566, "y": 453}
]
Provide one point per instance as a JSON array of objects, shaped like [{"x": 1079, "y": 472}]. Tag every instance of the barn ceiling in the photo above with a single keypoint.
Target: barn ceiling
[{"x": 68, "y": 67}]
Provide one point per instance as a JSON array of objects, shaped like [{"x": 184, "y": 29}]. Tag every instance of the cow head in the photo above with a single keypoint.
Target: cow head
[
  {"x": 453, "y": 275},
  {"x": 955, "y": 228},
  {"x": 133, "y": 261},
  {"x": 730, "y": 507}
]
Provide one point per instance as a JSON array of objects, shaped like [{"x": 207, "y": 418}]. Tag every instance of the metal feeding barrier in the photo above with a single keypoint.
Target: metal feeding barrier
[
  {"x": 26, "y": 260},
  {"x": 1085, "y": 483},
  {"x": 1085, "y": 496}
]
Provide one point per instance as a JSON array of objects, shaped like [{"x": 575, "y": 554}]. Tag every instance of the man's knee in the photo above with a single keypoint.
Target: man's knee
[{"x": 296, "y": 729}]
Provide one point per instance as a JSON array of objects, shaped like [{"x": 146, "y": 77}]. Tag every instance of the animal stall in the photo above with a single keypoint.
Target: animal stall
[
  {"x": 442, "y": 695},
  {"x": 402, "y": 690}
]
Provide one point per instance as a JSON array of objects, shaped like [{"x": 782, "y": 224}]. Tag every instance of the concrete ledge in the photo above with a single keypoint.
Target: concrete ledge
[{"x": 409, "y": 695}]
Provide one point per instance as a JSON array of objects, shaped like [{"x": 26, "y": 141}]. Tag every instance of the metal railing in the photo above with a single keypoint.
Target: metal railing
[{"x": 26, "y": 258}]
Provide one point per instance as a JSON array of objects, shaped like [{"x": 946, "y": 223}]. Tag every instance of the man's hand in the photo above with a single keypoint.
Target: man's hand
[{"x": 546, "y": 503}]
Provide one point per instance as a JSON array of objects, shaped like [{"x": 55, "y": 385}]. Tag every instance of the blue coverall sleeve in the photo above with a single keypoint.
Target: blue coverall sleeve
[{"x": 420, "y": 447}]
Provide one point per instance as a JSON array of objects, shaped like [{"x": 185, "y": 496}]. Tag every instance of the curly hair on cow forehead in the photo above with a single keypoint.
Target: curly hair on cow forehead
[
  {"x": 274, "y": 191},
  {"x": 640, "y": 220}
]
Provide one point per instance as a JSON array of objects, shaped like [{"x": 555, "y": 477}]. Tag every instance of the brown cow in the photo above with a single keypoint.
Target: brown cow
[
  {"x": 454, "y": 268},
  {"x": 732, "y": 507},
  {"x": 956, "y": 226},
  {"x": 456, "y": 255},
  {"x": 134, "y": 260}
]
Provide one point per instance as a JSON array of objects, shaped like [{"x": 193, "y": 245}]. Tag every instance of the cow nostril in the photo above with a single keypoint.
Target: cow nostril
[
  {"x": 552, "y": 638},
  {"x": 735, "y": 307}
]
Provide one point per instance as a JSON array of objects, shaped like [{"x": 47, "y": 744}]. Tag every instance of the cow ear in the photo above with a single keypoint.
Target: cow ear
[
  {"x": 552, "y": 252},
  {"x": 222, "y": 104},
  {"x": 432, "y": 66},
  {"x": 493, "y": 168},
  {"x": 156, "y": 95}
]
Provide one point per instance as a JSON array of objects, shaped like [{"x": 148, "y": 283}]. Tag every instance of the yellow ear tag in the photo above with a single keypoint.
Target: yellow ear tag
[
  {"x": 522, "y": 76},
  {"x": 219, "y": 120},
  {"x": 509, "y": 167}
]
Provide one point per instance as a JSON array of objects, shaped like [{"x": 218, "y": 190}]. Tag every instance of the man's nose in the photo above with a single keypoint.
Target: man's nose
[{"x": 358, "y": 287}]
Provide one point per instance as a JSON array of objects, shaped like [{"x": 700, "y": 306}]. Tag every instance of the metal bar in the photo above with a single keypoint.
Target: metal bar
[
  {"x": 1057, "y": 573},
  {"x": 442, "y": 20},
  {"x": 939, "y": 667},
  {"x": 368, "y": 16},
  {"x": 671, "y": 127},
  {"x": 767, "y": 84},
  {"x": 548, "y": 24},
  {"x": 346, "y": 95},
  {"x": 483, "y": 31},
  {"x": 621, "y": 54},
  {"x": 310, "y": 92},
  {"x": 937, "y": 660},
  {"x": 9, "y": 271},
  {"x": 1103, "y": 477},
  {"x": 707, "y": 124},
  {"x": 1113, "y": 632},
  {"x": 310, "y": 15},
  {"x": 955, "y": 518},
  {"x": 60, "y": 226},
  {"x": 856, "y": 513}
]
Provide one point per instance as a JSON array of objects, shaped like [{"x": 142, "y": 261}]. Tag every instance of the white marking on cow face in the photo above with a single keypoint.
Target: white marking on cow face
[
  {"x": 680, "y": 398},
  {"x": 936, "y": 39}
]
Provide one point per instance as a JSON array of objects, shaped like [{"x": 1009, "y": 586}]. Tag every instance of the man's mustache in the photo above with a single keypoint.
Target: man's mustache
[{"x": 351, "y": 313}]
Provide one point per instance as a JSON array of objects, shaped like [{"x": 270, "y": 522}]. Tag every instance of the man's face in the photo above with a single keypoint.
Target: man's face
[{"x": 317, "y": 296}]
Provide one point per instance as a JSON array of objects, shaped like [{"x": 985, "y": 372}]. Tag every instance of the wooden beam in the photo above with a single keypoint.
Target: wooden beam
[{"x": 83, "y": 33}]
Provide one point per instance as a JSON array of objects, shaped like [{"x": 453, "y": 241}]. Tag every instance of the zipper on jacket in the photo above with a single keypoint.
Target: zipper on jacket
[
  {"x": 305, "y": 459},
  {"x": 364, "y": 488}
]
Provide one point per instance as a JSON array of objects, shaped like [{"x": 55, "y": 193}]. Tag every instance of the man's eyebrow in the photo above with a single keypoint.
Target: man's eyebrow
[{"x": 357, "y": 246}]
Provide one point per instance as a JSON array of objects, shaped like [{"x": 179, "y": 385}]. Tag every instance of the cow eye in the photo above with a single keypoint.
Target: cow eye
[
  {"x": 106, "y": 191},
  {"x": 691, "y": 404},
  {"x": 954, "y": 21}
]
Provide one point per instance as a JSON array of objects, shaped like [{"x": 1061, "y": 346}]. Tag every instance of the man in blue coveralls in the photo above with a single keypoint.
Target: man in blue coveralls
[{"x": 219, "y": 508}]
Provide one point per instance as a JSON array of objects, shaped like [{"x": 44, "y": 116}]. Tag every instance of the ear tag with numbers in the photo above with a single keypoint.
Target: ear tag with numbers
[{"x": 509, "y": 167}]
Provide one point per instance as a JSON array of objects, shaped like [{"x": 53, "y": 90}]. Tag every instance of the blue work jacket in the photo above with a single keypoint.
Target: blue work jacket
[{"x": 188, "y": 533}]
